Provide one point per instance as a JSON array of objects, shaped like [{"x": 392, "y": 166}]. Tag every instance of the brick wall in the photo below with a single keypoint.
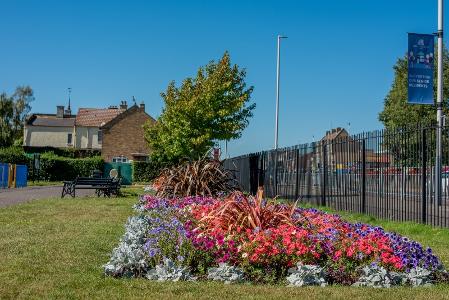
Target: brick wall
[{"x": 125, "y": 136}]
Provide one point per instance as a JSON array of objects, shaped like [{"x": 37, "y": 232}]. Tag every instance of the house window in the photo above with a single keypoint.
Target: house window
[
  {"x": 120, "y": 159},
  {"x": 69, "y": 138},
  {"x": 100, "y": 137}
]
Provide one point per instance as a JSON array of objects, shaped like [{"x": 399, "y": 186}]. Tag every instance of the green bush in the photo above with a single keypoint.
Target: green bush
[
  {"x": 145, "y": 171},
  {"x": 57, "y": 168},
  {"x": 14, "y": 155}
]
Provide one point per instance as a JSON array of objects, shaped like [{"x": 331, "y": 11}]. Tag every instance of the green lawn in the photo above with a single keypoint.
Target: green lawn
[{"x": 55, "y": 248}]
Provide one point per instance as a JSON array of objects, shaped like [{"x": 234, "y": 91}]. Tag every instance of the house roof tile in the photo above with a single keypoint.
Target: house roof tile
[{"x": 96, "y": 117}]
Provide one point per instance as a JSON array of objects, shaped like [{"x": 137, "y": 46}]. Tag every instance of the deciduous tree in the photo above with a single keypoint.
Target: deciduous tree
[
  {"x": 13, "y": 111},
  {"x": 211, "y": 107},
  {"x": 397, "y": 112}
]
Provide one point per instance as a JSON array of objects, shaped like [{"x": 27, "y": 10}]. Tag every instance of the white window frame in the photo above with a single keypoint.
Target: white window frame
[
  {"x": 100, "y": 137},
  {"x": 120, "y": 159}
]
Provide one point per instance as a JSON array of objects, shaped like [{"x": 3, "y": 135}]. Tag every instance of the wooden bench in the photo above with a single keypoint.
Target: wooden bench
[{"x": 105, "y": 186}]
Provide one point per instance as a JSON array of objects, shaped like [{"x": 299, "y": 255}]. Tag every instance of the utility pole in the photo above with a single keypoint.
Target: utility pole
[{"x": 438, "y": 156}]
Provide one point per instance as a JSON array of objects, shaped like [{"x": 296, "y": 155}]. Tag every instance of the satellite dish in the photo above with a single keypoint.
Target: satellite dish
[{"x": 113, "y": 173}]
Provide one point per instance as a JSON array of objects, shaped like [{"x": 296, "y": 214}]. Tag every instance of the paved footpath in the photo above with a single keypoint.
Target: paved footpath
[{"x": 19, "y": 195}]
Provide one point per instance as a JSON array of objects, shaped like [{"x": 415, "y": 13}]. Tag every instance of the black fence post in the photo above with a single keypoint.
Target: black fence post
[
  {"x": 251, "y": 175},
  {"x": 260, "y": 172},
  {"x": 324, "y": 183},
  {"x": 275, "y": 173},
  {"x": 297, "y": 175},
  {"x": 363, "y": 175},
  {"x": 423, "y": 177}
]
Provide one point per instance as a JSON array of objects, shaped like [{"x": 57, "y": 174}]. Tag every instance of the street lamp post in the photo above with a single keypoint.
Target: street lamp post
[
  {"x": 278, "y": 75},
  {"x": 276, "y": 130},
  {"x": 438, "y": 160}
]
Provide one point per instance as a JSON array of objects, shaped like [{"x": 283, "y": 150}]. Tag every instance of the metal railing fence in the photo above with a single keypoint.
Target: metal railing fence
[{"x": 385, "y": 173}]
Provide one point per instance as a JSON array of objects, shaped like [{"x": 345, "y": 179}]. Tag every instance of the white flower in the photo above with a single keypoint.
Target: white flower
[{"x": 245, "y": 255}]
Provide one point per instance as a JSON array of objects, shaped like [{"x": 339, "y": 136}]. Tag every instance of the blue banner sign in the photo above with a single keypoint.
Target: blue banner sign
[{"x": 420, "y": 68}]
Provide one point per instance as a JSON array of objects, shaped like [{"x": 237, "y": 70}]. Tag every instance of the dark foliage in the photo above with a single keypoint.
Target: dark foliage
[
  {"x": 13, "y": 155},
  {"x": 146, "y": 171},
  {"x": 56, "y": 168},
  {"x": 205, "y": 177}
]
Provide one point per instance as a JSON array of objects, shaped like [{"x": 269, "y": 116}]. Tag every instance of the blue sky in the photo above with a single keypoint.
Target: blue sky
[{"x": 336, "y": 64}]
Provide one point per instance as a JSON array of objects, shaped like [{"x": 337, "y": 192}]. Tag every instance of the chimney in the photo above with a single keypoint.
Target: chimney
[
  {"x": 60, "y": 111},
  {"x": 328, "y": 132},
  {"x": 68, "y": 112},
  {"x": 142, "y": 105},
  {"x": 338, "y": 128},
  {"x": 123, "y": 105}
]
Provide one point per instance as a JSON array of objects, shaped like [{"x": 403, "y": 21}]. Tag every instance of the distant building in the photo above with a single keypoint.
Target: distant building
[
  {"x": 344, "y": 151},
  {"x": 334, "y": 134},
  {"x": 378, "y": 159},
  {"x": 341, "y": 148},
  {"x": 50, "y": 130},
  {"x": 115, "y": 131},
  {"x": 123, "y": 136}
]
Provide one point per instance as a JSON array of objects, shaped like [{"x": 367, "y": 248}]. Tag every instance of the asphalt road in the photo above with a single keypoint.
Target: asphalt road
[{"x": 20, "y": 195}]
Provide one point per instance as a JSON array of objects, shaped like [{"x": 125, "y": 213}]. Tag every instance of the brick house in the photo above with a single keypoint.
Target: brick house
[
  {"x": 123, "y": 136},
  {"x": 115, "y": 131},
  {"x": 87, "y": 125}
]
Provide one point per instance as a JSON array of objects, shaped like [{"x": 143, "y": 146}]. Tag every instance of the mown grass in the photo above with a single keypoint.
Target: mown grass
[
  {"x": 55, "y": 248},
  {"x": 43, "y": 183}
]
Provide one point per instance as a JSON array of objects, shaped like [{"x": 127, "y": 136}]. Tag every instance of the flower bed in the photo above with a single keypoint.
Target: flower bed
[{"x": 241, "y": 238}]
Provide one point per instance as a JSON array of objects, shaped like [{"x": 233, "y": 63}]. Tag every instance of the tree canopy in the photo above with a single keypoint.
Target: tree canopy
[
  {"x": 13, "y": 111},
  {"x": 397, "y": 112},
  {"x": 211, "y": 107}
]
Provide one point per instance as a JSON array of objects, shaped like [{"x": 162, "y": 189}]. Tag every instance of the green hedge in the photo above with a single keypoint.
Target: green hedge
[
  {"x": 57, "y": 168},
  {"x": 53, "y": 167},
  {"x": 69, "y": 152},
  {"x": 145, "y": 171},
  {"x": 14, "y": 155}
]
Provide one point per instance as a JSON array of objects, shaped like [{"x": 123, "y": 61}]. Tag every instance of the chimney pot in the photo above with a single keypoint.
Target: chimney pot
[
  {"x": 60, "y": 111},
  {"x": 123, "y": 105},
  {"x": 142, "y": 105}
]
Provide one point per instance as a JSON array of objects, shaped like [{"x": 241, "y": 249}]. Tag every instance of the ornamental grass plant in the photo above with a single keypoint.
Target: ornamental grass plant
[
  {"x": 204, "y": 177},
  {"x": 241, "y": 212}
]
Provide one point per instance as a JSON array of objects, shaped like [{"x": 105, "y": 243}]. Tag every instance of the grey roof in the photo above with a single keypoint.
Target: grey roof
[{"x": 51, "y": 121}]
